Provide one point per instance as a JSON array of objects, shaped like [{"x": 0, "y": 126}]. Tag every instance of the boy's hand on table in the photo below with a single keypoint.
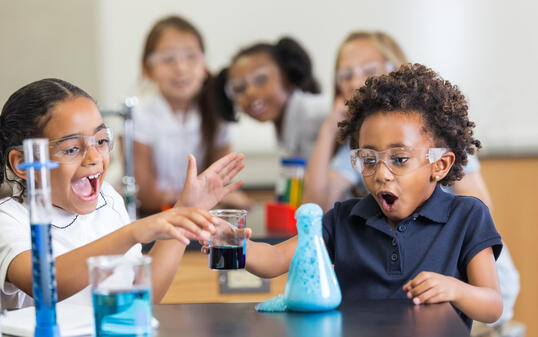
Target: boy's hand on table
[{"x": 430, "y": 287}]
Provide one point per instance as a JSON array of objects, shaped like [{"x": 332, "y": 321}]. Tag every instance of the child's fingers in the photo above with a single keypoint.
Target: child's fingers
[
  {"x": 202, "y": 219},
  {"x": 232, "y": 187},
  {"x": 417, "y": 280},
  {"x": 248, "y": 233},
  {"x": 191, "y": 168},
  {"x": 232, "y": 167},
  {"x": 422, "y": 287},
  {"x": 436, "y": 299},
  {"x": 177, "y": 234},
  {"x": 228, "y": 176},
  {"x": 426, "y": 296},
  {"x": 223, "y": 162},
  {"x": 187, "y": 224}
]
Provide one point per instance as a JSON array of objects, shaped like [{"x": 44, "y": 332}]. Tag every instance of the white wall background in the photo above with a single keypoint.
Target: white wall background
[{"x": 488, "y": 47}]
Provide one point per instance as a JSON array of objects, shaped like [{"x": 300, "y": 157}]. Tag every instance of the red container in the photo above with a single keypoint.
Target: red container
[{"x": 280, "y": 218}]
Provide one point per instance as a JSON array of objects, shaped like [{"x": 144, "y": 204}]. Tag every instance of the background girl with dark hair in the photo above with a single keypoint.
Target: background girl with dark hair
[
  {"x": 274, "y": 83},
  {"x": 179, "y": 118}
]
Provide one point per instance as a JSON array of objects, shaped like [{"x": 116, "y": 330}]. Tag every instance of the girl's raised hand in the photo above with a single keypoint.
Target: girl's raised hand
[
  {"x": 430, "y": 287},
  {"x": 179, "y": 223},
  {"x": 207, "y": 189}
]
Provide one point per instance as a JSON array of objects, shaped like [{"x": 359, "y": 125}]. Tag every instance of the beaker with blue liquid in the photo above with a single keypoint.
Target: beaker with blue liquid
[{"x": 121, "y": 295}]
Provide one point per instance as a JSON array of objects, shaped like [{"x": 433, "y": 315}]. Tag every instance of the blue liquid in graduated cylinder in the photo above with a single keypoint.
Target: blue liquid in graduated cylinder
[
  {"x": 44, "y": 281},
  {"x": 312, "y": 284},
  {"x": 123, "y": 313}
]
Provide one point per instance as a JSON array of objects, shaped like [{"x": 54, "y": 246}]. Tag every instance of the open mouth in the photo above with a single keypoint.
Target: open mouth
[
  {"x": 388, "y": 200},
  {"x": 86, "y": 188},
  {"x": 181, "y": 82},
  {"x": 258, "y": 107}
]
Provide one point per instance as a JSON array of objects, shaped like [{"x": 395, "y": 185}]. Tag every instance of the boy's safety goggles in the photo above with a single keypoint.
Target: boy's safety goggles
[{"x": 399, "y": 160}]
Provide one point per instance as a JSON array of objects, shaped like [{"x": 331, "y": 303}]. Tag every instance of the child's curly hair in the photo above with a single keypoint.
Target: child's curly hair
[{"x": 416, "y": 88}]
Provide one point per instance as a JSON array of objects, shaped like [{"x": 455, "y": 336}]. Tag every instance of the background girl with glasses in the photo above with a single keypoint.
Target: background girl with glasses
[
  {"x": 274, "y": 83},
  {"x": 328, "y": 179},
  {"x": 179, "y": 118}
]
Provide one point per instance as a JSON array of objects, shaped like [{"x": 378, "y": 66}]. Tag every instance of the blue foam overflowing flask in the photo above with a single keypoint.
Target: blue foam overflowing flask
[
  {"x": 312, "y": 283},
  {"x": 37, "y": 165}
]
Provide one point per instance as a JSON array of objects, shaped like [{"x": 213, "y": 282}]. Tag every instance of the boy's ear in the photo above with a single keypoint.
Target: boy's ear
[
  {"x": 442, "y": 166},
  {"x": 15, "y": 158}
]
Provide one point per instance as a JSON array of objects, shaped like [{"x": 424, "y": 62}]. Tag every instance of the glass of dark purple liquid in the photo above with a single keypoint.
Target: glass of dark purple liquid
[{"x": 228, "y": 245}]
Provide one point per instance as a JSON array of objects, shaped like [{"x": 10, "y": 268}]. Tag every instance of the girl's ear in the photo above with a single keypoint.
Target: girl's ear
[
  {"x": 442, "y": 166},
  {"x": 15, "y": 158}
]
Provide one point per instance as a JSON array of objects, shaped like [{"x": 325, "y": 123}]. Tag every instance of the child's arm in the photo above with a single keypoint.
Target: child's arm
[
  {"x": 480, "y": 299},
  {"x": 151, "y": 198},
  {"x": 269, "y": 261},
  {"x": 180, "y": 224},
  {"x": 265, "y": 260}
]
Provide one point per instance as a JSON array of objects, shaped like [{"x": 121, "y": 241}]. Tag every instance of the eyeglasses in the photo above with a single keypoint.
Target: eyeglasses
[
  {"x": 238, "y": 86},
  {"x": 346, "y": 74},
  {"x": 171, "y": 57},
  {"x": 73, "y": 149},
  {"x": 399, "y": 160}
]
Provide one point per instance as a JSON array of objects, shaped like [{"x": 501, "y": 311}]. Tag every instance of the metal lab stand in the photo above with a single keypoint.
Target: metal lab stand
[{"x": 128, "y": 180}]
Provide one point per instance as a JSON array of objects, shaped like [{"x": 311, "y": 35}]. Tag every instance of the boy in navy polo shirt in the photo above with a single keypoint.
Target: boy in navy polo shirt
[{"x": 409, "y": 132}]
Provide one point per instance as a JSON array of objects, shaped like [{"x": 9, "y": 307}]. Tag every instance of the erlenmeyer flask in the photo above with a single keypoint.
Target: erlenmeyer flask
[{"x": 312, "y": 283}]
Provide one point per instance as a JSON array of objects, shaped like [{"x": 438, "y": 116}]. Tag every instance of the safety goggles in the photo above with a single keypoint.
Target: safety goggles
[
  {"x": 238, "y": 86},
  {"x": 72, "y": 149},
  {"x": 399, "y": 160},
  {"x": 347, "y": 74},
  {"x": 172, "y": 57}
]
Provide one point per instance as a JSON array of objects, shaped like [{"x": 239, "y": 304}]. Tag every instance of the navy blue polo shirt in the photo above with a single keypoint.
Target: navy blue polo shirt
[{"x": 373, "y": 261}]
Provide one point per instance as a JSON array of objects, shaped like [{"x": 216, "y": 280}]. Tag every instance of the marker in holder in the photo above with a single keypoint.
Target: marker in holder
[
  {"x": 290, "y": 184},
  {"x": 37, "y": 166}
]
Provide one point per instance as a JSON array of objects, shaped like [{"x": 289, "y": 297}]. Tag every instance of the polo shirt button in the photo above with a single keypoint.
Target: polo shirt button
[
  {"x": 394, "y": 242},
  {"x": 394, "y": 257},
  {"x": 402, "y": 228}
]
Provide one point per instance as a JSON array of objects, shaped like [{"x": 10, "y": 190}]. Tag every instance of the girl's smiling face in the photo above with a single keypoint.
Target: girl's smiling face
[
  {"x": 358, "y": 59},
  {"x": 398, "y": 196},
  {"x": 177, "y": 66},
  {"x": 258, "y": 86},
  {"x": 75, "y": 186}
]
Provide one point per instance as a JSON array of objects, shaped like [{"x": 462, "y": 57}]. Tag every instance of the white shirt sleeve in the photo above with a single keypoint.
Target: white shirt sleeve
[
  {"x": 142, "y": 130},
  {"x": 15, "y": 238}
]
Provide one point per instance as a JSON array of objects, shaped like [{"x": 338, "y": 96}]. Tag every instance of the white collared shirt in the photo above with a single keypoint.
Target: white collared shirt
[
  {"x": 303, "y": 117},
  {"x": 69, "y": 231},
  {"x": 172, "y": 137}
]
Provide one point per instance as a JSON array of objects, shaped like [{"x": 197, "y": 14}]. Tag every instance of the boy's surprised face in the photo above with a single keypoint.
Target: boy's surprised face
[
  {"x": 75, "y": 184},
  {"x": 398, "y": 195}
]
